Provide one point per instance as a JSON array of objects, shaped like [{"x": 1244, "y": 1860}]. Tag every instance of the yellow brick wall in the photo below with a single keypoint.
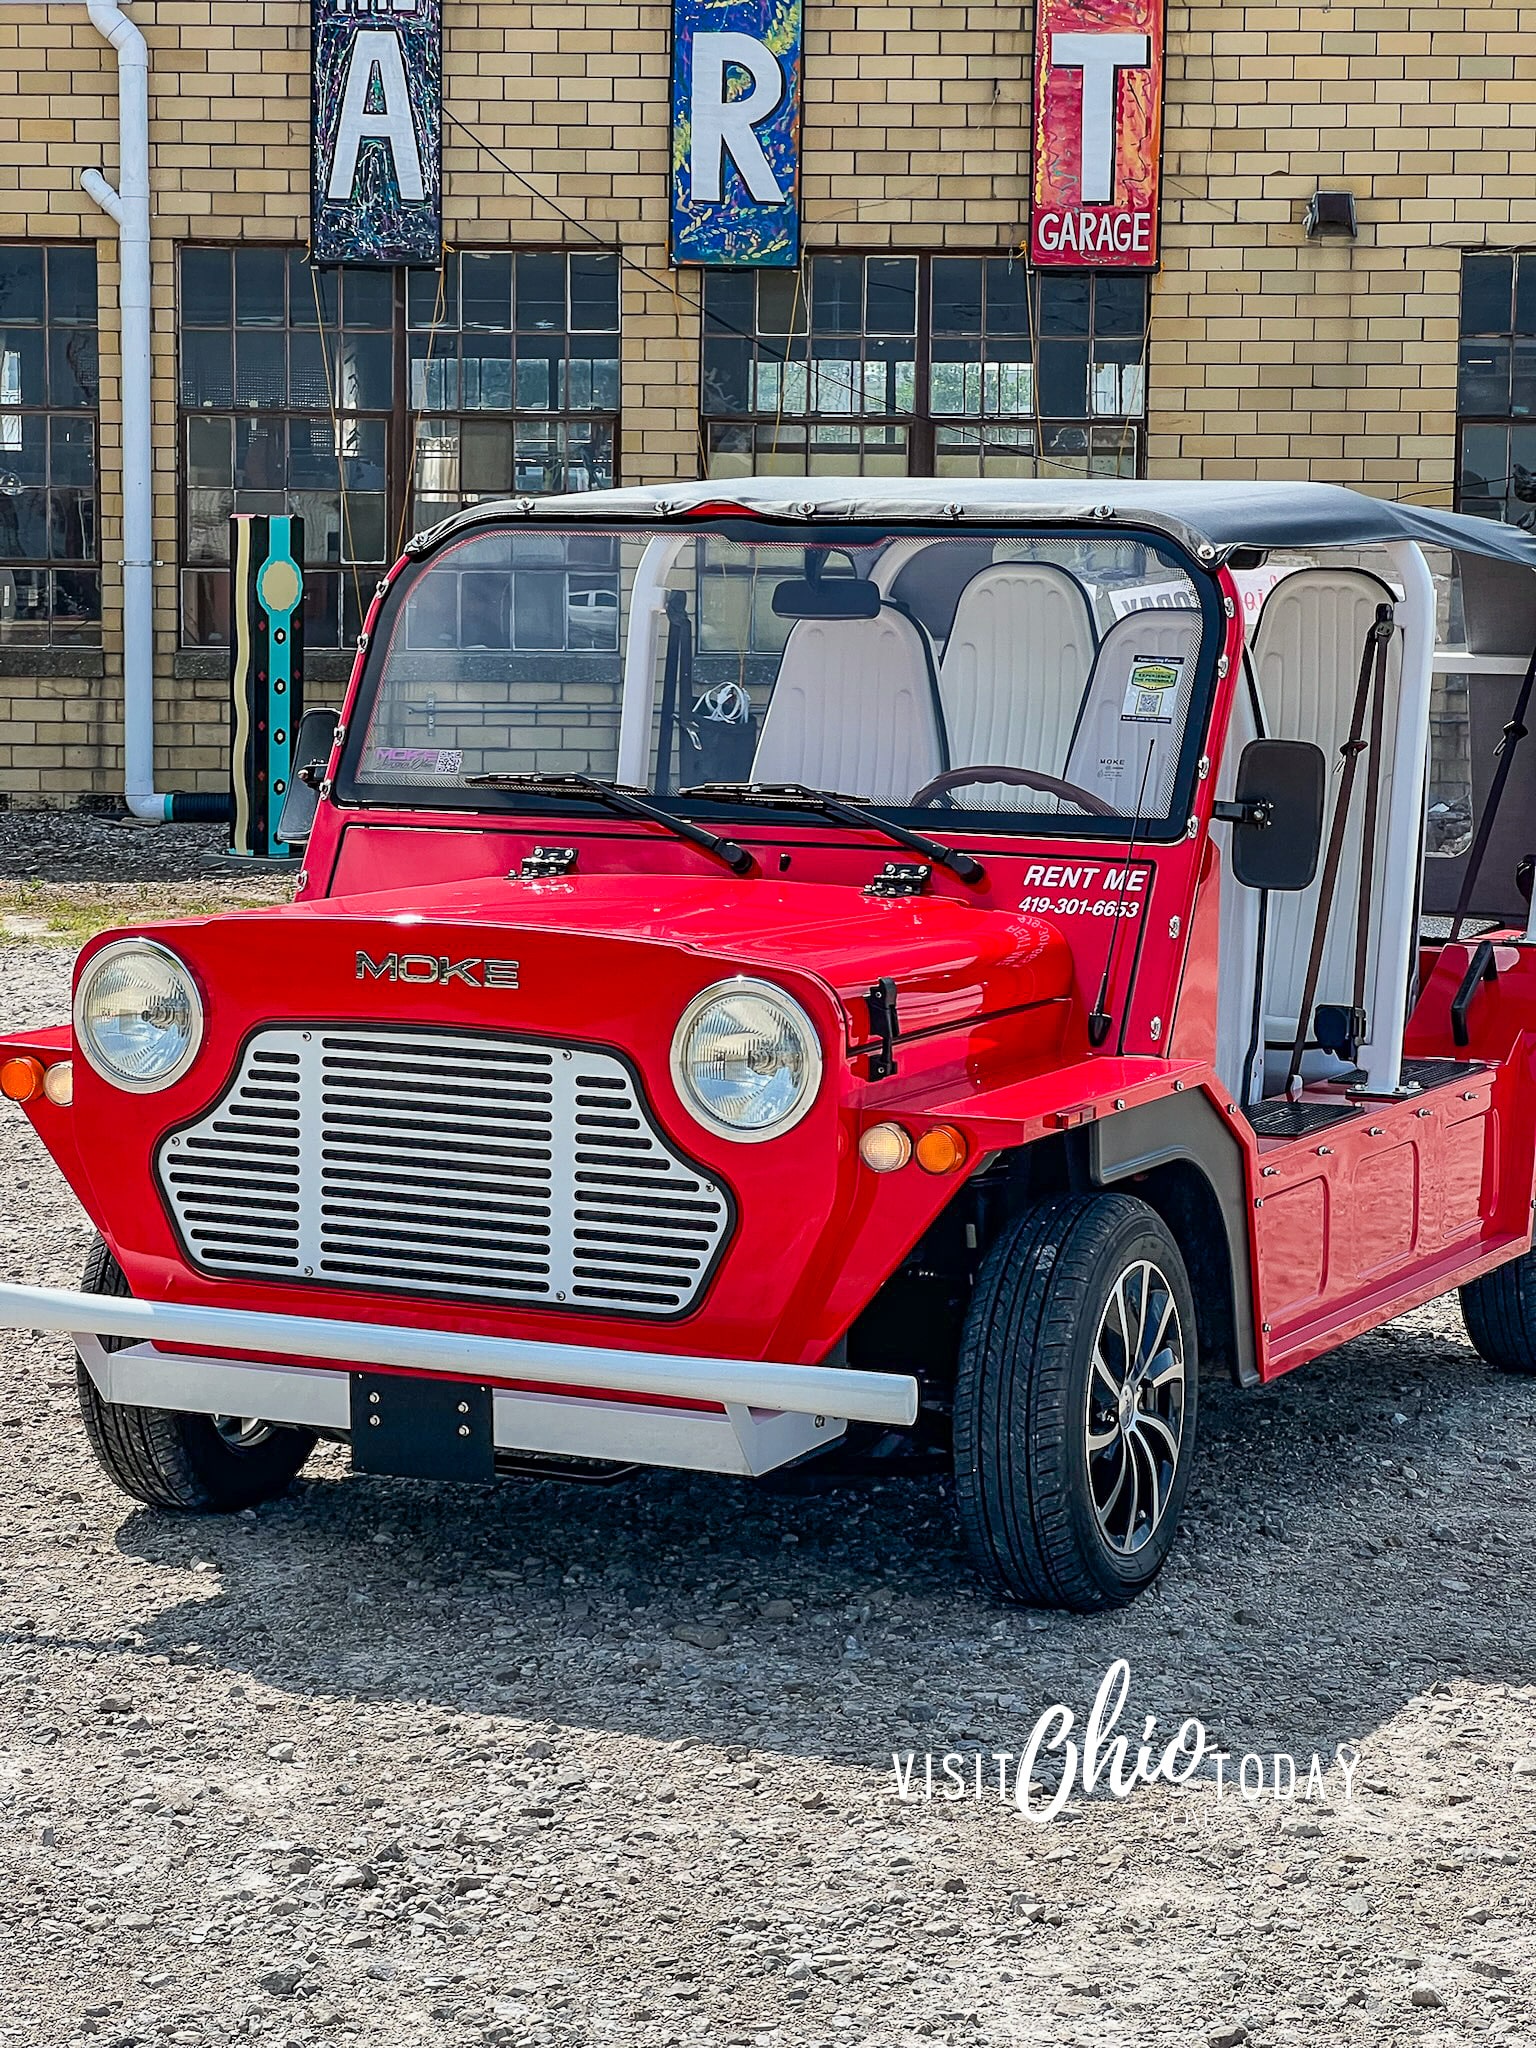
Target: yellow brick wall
[
  {"x": 1330, "y": 360},
  {"x": 1269, "y": 355}
]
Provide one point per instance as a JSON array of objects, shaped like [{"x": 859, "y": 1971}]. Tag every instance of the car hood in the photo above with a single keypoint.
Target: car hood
[{"x": 952, "y": 960}]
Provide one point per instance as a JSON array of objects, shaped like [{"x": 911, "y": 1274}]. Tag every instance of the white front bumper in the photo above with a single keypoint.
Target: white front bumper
[{"x": 760, "y": 1414}]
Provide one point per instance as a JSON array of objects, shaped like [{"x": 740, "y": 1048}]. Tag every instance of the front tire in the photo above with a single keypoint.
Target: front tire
[
  {"x": 1075, "y": 1404},
  {"x": 198, "y": 1463},
  {"x": 1499, "y": 1310}
]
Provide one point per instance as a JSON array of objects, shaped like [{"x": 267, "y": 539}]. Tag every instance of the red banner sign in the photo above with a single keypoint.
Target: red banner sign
[{"x": 1098, "y": 134}]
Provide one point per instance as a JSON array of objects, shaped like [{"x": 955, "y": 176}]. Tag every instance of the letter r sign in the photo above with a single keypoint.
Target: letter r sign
[
  {"x": 736, "y": 131},
  {"x": 725, "y": 129}
]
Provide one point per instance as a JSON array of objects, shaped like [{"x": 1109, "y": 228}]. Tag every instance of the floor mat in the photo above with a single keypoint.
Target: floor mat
[
  {"x": 1435, "y": 1073},
  {"x": 1297, "y": 1119}
]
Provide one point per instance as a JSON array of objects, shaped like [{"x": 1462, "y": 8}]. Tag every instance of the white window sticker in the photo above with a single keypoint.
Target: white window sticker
[
  {"x": 1150, "y": 691},
  {"x": 413, "y": 762}
]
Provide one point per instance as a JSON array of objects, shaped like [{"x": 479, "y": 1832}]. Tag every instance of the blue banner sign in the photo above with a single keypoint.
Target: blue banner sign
[
  {"x": 377, "y": 103},
  {"x": 736, "y": 131}
]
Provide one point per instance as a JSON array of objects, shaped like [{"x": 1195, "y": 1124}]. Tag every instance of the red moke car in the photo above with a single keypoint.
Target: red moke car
[{"x": 868, "y": 972}]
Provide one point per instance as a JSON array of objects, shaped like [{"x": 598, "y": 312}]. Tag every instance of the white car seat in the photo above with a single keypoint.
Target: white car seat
[
  {"x": 1110, "y": 750},
  {"x": 853, "y": 709},
  {"x": 1012, "y": 679},
  {"x": 1307, "y": 651}
]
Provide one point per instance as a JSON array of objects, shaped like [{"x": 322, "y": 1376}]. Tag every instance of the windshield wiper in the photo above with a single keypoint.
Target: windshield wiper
[
  {"x": 832, "y": 804},
  {"x": 736, "y": 858}
]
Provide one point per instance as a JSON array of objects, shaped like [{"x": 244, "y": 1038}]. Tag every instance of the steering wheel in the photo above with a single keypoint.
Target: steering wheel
[{"x": 1016, "y": 778}]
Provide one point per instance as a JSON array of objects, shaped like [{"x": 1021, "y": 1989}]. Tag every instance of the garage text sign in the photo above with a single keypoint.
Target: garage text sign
[
  {"x": 377, "y": 103},
  {"x": 736, "y": 131},
  {"x": 1098, "y": 134}
]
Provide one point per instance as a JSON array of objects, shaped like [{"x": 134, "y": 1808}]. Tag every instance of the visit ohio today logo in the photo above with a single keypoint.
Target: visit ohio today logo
[{"x": 1187, "y": 1757}]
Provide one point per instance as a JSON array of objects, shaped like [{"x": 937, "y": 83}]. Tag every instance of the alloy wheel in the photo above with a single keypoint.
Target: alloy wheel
[
  {"x": 242, "y": 1432},
  {"x": 1134, "y": 1421}
]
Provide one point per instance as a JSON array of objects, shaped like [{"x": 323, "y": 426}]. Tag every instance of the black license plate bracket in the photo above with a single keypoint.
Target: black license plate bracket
[{"x": 407, "y": 1427}]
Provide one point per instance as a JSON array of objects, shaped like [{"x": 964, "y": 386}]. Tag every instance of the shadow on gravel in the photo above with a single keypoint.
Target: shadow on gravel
[{"x": 1353, "y": 1534}]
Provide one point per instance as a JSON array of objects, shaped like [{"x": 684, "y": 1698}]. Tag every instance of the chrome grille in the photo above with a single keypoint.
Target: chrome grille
[{"x": 446, "y": 1164}]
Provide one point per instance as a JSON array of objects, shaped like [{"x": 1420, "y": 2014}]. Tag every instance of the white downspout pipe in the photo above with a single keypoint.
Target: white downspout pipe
[{"x": 128, "y": 206}]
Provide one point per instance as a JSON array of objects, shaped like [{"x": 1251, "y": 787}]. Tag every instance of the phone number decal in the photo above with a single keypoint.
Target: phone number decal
[
  {"x": 1081, "y": 906},
  {"x": 1097, "y": 890}
]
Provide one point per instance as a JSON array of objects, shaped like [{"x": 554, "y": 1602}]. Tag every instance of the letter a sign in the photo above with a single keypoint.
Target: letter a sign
[
  {"x": 1098, "y": 134},
  {"x": 378, "y": 131},
  {"x": 736, "y": 131}
]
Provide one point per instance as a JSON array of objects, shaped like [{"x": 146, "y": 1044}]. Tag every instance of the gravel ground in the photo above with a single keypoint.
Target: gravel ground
[
  {"x": 395, "y": 1763},
  {"x": 76, "y": 846}
]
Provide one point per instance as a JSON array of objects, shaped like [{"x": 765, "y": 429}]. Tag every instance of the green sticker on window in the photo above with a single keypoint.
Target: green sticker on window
[{"x": 1150, "y": 688}]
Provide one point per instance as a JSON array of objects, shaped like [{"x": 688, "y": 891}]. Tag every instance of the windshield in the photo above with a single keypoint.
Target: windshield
[{"x": 946, "y": 676}]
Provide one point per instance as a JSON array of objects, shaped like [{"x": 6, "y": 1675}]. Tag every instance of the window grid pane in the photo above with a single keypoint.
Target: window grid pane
[
  {"x": 287, "y": 389},
  {"x": 952, "y": 351},
  {"x": 514, "y": 376},
  {"x": 1496, "y": 395},
  {"x": 291, "y": 403},
  {"x": 50, "y": 581}
]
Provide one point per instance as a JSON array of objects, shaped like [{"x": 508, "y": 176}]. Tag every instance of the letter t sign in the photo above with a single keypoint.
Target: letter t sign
[{"x": 1101, "y": 59}]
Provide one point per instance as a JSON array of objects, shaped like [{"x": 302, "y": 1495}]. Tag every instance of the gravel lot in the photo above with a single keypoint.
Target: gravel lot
[{"x": 394, "y": 1763}]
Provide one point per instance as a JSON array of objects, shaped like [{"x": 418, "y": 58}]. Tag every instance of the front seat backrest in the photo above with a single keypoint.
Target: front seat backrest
[
  {"x": 853, "y": 709},
  {"x": 1306, "y": 656},
  {"x": 1012, "y": 678},
  {"x": 1118, "y": 742}
]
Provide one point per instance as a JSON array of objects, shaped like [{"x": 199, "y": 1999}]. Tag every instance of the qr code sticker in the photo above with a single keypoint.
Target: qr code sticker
[{"x": 1151, "y": 689}]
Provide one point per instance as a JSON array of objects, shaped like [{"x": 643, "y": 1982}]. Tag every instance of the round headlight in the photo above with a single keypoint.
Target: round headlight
[
  {"x": 138, "y": 1016},
  {"x": 746, "y": 1060}
]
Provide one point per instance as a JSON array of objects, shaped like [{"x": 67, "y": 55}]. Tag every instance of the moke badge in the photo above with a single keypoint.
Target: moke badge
[{"x": 438, "y": 969}]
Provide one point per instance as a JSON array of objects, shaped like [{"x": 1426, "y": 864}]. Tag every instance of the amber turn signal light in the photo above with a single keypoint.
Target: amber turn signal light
[
  {"x": 941, "y": 1150},
  {"x": 885, "y": 1147},
  {"x": 21, "y": 1079}
]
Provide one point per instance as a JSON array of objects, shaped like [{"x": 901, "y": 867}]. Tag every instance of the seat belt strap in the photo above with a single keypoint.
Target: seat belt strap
[
  {"x": 1504, "y": 760},
  {"x": 1372, "y": 655},
  {"x": 676, "y": 683}
]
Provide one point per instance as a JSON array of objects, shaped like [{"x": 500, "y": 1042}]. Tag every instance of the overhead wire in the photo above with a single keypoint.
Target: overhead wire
[
  {"x": 439, "y": 307},
  {"x": 657, "y": 281},
  {"x": 670, "y": 283},
  {"x": 332, "y": 370}
]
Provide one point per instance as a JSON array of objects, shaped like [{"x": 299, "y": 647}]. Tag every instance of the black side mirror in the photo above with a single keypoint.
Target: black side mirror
[
  {"x": 311, "y": 751},
  {"x": 1278, "y": 813}
]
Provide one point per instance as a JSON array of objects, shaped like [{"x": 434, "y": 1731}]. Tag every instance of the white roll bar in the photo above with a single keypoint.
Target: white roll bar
[{"x": 1381, "y": 1056}]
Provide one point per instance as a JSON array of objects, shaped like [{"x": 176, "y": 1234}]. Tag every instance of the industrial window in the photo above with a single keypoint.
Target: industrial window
[
  {"x": 1496, "y": 388},
  {"x": 514, "y": 376},
  {"x": 375, "y": 402},
  {"x": 288, "y": 396},
  {"x": 924, "y": 366},
  {"x": 50, "y": 579}
]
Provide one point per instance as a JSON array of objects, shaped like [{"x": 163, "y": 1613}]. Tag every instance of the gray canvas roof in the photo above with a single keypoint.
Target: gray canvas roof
[{"x": 1202, "y": 516}]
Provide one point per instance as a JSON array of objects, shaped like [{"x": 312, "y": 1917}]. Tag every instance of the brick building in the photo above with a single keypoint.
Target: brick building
[{"x": 555, "y": 347}]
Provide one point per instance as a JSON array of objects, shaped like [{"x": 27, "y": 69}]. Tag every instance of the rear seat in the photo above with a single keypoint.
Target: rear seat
[
  {"x": 1132, "y": 764},
  {"x": 1306, "y": 656}
]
